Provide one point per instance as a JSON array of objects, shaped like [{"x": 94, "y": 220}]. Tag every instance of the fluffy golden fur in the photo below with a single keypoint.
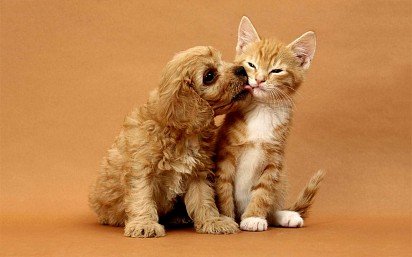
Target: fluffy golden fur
[
  {"x": 250, "y": 180},
  {"x": 164, "y": 149}
]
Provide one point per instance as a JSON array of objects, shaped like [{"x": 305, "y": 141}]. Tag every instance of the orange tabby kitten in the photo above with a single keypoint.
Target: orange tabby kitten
[{"x": 250, "y": 181}]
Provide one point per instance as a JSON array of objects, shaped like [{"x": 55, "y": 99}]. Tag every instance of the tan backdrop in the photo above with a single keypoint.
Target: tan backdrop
[{"x": 71, "y": 70}]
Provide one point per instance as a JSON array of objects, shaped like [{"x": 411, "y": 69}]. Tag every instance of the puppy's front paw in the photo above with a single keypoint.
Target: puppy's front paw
[
  {"x": 218, "y": 225},
  {"x": 254, "y": 224},
  {"x": 289, "y": 219},
  {"x": 142, "y": 229}
]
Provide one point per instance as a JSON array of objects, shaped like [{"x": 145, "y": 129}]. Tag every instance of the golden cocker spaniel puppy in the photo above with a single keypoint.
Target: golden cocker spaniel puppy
[{"x": 165, "y": 147}]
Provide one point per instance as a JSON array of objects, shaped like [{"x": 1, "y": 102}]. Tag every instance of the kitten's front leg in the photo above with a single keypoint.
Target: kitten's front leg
[
  {"x": 262, "y": 200},
  {"x": 201, "y": 207},
  {"x": 225, "y": 175}
]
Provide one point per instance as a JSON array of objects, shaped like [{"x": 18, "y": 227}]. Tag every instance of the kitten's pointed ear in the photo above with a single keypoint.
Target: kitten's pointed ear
[
  {"x": 304, "y": 48},
  {"x": 246, "y": 34}
]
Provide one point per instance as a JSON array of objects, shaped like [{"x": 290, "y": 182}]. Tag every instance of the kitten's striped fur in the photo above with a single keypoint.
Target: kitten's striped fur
[{"x": 250, "y": 181}]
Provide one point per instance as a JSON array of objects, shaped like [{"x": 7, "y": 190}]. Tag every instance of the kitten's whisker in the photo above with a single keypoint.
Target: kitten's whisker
[
  {"x": 293, "y": 89},
  {"x": 282, "y": 108},
  {"x": 286, "y": 96},
  {"x": 278, "y": 99}
]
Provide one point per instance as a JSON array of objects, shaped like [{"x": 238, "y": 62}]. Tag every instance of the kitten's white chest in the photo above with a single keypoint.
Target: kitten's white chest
[{"x": 261, "y": 122}]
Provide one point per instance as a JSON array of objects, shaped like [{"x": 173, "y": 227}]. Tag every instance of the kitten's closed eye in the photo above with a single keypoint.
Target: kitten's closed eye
[{"x": 276, "y": 71}]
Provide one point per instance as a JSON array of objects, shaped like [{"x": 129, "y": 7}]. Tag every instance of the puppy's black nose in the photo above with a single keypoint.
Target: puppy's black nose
[{"x": 240, "y": 71}]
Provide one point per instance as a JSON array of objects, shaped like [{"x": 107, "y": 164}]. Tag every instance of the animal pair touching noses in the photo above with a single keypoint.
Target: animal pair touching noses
[{"x": 165, "y": 148}]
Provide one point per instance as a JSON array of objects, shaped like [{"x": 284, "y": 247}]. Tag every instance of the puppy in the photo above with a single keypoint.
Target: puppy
[{"x": 164, "y": 149}]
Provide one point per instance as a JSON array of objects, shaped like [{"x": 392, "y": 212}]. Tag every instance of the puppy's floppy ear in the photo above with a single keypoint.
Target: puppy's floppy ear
[
  {"x": 246, "y": 34},
  {"x": 179, "y": 104}
]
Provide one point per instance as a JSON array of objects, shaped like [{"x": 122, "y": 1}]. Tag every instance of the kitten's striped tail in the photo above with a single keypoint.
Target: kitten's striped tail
[{"x": 305, "y": 199}]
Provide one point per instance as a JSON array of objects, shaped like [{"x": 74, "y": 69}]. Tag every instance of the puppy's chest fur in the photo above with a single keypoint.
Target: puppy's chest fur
[
  {"x": 183, "y": 157},
  {"x": 180, "y": 161},
  {"x": 257, "y": 136},
  {"x": 174, "y": 156}
]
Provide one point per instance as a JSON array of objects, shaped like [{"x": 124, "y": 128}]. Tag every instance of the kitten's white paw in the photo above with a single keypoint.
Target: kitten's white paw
[
  {"x": 288, "y": 219},
  {"x": 254, "y": 224}
]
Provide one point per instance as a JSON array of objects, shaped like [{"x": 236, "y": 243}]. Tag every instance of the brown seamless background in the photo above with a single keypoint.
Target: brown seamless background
[{"x": 71, "y": 70}]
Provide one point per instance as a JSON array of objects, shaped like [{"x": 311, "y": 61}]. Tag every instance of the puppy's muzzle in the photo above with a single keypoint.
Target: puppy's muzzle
[{"x": 240, "y": 71}]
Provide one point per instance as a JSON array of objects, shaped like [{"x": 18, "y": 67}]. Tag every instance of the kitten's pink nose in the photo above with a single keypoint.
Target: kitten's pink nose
[{"x": 259, "y": 81}]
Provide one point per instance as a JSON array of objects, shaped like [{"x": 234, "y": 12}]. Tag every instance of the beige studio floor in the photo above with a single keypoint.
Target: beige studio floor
[{"x": 71, "y": 70}]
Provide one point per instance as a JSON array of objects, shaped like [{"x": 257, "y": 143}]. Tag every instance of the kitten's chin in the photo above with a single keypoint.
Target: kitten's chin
[{"x": 258, "y": 93}]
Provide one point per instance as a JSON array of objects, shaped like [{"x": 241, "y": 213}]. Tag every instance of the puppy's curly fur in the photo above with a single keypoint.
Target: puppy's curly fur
[{"x": 164, "y": 149}]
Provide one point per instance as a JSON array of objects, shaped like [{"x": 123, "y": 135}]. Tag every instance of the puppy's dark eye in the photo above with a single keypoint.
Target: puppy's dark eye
[
  {"x": 209, "y": 77},
  {"x": 276, "y": 71},
  {"x": 251, "y": 65}
]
